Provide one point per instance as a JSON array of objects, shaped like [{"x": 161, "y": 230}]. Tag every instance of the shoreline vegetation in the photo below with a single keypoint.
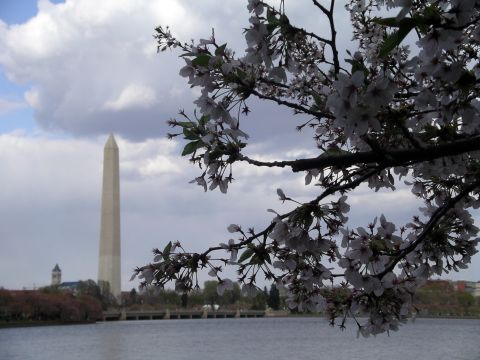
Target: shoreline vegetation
[
  {"x": 28, "y": 323},
  {"x": 85, "y": 304}
]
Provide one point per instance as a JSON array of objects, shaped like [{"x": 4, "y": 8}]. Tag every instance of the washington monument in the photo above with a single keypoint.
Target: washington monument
[{"x": 109, "y": 259}]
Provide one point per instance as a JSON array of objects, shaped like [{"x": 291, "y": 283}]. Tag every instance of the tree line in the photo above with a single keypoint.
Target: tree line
[
  {"x": 206, "y": 297},
  {"x": 435, "y": 298},
  {"x": 41, "y": 306},
  {"x": 86, "y": 303},
  {"x": 440, "y": 298}
]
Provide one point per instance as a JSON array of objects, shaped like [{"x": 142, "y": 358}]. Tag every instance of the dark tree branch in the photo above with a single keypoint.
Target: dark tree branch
[
  {"x": 386, "y": 159},
  {"x": 272, "y": 82},
  {"x": 299, "y": 108},
  {"x": 321, "y": 7},
  {"x": 313, "y": 35},
  {"x": 332, "y": 42}
]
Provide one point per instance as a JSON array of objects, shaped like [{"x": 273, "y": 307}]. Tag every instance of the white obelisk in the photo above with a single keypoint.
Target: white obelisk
[{"x": 109, "y": 259}]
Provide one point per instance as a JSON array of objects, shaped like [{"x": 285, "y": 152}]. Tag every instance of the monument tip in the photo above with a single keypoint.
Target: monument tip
[{"x": 111, "y": 143}]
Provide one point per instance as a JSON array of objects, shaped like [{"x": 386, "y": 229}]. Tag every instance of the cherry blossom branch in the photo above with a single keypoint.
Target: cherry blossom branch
[
  {"x": 387, "y": 158},
  {"x": 330, "y": 191},
  {"x": 204, "y": 258},
  {"x": 434, "y": 220}
]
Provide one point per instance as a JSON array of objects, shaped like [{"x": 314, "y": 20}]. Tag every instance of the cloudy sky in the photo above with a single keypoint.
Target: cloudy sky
[{"x": 73, "y": 71}]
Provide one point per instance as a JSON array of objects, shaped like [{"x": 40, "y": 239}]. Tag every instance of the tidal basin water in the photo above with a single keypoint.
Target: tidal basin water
[{"x": 242, "y": 339}]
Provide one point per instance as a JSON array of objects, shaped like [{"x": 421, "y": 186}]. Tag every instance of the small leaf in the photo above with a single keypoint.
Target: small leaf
[
  {"x": 334, "y": 151},
  {"x": 186, "y": 124},
  {"x": 191, "y": 147},
  {"x": 267, "y": 258},
  {"x": 203, "y": 120},
  {"x": 358, "y": 66},
  {"x": 391, "y": 21},
  {"x": 245, "y": 255},
  {"x": 256, "y": 260},
  {"x": 166, "y": 250},
  {"x": 189, "y": 135},
  {"x": 394, "y": 39},
  {"x": 241, "y": 74},
  {"x": 272, "y": 19},
  {"x": 319, "y": 101},
  {"x": 220, "y": 50},
  {"x": 307, "y": 221},
  {"x": 201, "y": 60}
]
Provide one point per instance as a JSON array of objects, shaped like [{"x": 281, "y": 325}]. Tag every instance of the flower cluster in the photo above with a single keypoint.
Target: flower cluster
[{"x": 395, "y": 113}]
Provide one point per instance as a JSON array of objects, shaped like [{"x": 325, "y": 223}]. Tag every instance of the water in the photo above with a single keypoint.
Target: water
[{"x": 241, "y": 339}]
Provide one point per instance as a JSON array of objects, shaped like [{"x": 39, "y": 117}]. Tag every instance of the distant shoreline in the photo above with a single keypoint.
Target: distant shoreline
[{"x": 20, "y": 324}]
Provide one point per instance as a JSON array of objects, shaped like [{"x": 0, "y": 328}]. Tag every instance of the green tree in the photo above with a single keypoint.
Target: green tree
[
  {"x": 231, "y": 296},
  {"x": 465, "y": 300},
  {"x": 210, "y": 294},
  {"x": 274, "y": 297},
  {"x": 90, "y": 288},
  {"x": 184, "y": 300},
  {"x": 259, "y": 301},
  {"x": 195, "y": 299},
  {"x": 170, "y": 298},
  {"x": 5, "y": 301}
]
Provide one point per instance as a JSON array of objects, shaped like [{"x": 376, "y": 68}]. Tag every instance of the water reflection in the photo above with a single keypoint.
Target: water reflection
[{"x": 240, "y": 339}]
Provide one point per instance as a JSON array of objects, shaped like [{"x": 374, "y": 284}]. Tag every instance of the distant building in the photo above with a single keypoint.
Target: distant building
[
  {"x": 66, "y": 285},
  {"x": 56, "y": 275},
  {"x": 470, "y": 287}
]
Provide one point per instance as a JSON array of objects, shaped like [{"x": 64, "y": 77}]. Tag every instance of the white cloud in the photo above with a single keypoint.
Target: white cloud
[
  {"x": 133, "y": 96},
  {"x": 32, "y": 97},
  {"x": 92, "y": 68}
]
